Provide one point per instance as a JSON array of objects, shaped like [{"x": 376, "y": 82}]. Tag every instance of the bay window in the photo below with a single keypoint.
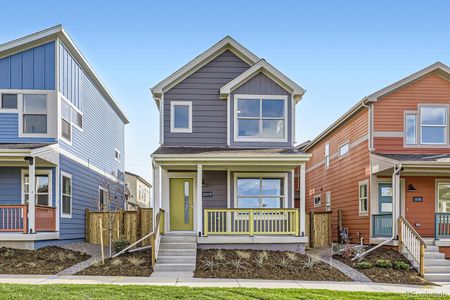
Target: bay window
[
  {"x": 35, "y": 113},
  {"x": 260, "y": 117},
  {"x": 433, "y": 125},
  {"x": 260, "y": 192}
]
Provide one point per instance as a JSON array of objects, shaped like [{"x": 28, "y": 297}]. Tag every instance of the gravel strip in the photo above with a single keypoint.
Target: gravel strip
[
  {"x": 325, "y": 255},
  {"x": 93, "y": 250}
]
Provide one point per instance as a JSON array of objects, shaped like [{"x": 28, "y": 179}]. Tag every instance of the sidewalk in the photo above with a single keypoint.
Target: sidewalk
[{"x": 200, "y": 282}]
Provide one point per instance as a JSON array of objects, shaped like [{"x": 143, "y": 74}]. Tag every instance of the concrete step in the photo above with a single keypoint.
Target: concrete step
[
  {"x": 437, "y": 276},
  {"x": 429, "y": 242},
  {"x": 177, "y": 246},
  {"x": 174, "y": 267},
  {"x": 179, "y": 233},
  {"x": 178, "y": 239},
  {"x": 437, "y": 262},
  {"x": 437, "y": 269},
  {"x": 177, "y": 252},
  {"x": 434, "y": 255},
  {"x": 431, "y": 249},
  {"x": 176, "y": 259}
]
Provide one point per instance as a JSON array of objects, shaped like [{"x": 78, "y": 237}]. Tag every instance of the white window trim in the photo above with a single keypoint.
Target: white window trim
[
  {"x": 416, "y": 138},
  {"x": 238, "y": 138},
  {"x": 348, "y": 149},
  {"x": 49, "y": 173},
  {"x": 20, "y": 107},
  {"x": 327, "y": 159},
  {"x": 445, "y": 126},
  {"x": 361, "y": 183},
  {"x": 284, "y": 176},
  {"x": 71, "y": 123},
  {"x": 8, "y": 110},
  {"x": 436, "y": 191},
  {"x": 328, "y": 201},
  {"x": 63, "y": 215},
  {"x": 172, "y": 116},
  {"x": 101, "y": 188},
  {"x": 314, "y": 200},
  {"x": 120, "y": 155}
]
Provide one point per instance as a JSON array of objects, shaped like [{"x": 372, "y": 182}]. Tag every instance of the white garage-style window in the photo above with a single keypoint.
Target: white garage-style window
[
  {"x": 181, "y": 116},
  {"x": 433, "y": 124},
  {"x": 260, "y": 190},
  {"x": 260, "y": 118},
  {"x": 66, "y": 195}
]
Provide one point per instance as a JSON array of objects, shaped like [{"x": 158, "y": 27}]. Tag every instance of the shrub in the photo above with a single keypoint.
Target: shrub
[
  {"x": 220, "y": 256},
  {"x": 383, "y": 263},
  {"x": 120, "y": 244},
  {"x": 9, "y": 254},
  {"x": 263, "y": 255},
  {"x": 116, "y": 262},
  {"x": 209, "y": 264},
  {"x": 243, "y": 255},
  {"x": 311, "y": 261},
  {"x": 237, "y": 264},
  {"x": 364, "y": 265},
  {"x": 291, "y": 256},
  {"x": 285, "y": 263},
  {"x": 400, "y": 265},
  {"x": 136, "y": 261}
]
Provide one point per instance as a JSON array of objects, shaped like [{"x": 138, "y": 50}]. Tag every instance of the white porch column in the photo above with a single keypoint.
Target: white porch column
[
  {"x": 395, "y": 200},
  {"x": 199, "y": 198},
  {"x": 32, "y": 196},
  {"x": 302, "y": 188},
  {"x": 156, "y": 191}
]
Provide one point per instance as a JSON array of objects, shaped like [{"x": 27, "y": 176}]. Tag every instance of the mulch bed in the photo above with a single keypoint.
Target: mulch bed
[
  {"x": 277, "y": 265},
  {"x": 387, "y": 275},
  {"x": 128, "y": 264},
  {"x": 45, "y": 261}
]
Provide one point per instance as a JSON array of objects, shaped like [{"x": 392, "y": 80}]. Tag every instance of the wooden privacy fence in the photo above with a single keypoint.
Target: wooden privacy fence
[
  {"x": 131, "y": 225},
  {"x": 319, "y": 224}
]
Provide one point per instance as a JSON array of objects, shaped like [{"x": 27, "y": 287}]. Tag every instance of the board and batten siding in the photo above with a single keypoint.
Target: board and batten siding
[
  {"x": 343, "y": 175},
  {"x": 209, "y": 112},
  {"x": 9, "y": 133},
  {"x": 30, "y": 69},
  {"x": 216, "y": 183},
  {"x": 85, "y": 192},
  {"x": 389, "y": 112},
  {"x": 103, "y": 130},
  {"x": 70, "y": 74},
  {"x": 260, "y": 84}
]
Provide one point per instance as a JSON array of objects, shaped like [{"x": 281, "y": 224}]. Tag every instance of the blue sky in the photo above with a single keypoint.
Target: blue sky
[{"x": 339, "y": 51}]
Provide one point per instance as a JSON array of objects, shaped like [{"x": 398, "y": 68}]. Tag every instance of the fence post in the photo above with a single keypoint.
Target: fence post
[
  {"x": 422, "y": 263},
  {"x": 311, "y": 229},
  {"x": 121, "y": 223},
  {"x": 339, "y": 225},
  {"x": 88, "y": 225},
  {"x": 250, "y": 220},
  {"x": 138, "y": 223}
]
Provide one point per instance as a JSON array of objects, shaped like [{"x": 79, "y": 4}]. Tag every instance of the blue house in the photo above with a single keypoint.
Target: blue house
[{"x": 61, "y": 140}]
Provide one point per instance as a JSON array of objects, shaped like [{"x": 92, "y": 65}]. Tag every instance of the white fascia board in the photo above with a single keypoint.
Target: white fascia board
[
  {"x": 231, "y": 158},
  {"x": 262, "y": 66},
  {"x": 390, "y": 88},
  {"x": 53, "y": 33},
  {"x": 228, "y": 43}
]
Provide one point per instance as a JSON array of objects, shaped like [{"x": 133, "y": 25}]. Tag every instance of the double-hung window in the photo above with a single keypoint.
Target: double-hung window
[
  {"x": 433, "y": 124},
  {"x": 42, "y": 186},
  {"x": 260, "y": 192},
  {"x": 363, "y": 197},
  {"x": 34, "y": 113},
  {"x": 70, "y": 116},
  {"x": 410, "y": 129},
  {"x": 327, "y": 155},
  {"x": 443, "y": 197},
  {"x": 181, "y": 116},
  {"x": 261, "y": 118},
  {"x": 66, "y": 200}
]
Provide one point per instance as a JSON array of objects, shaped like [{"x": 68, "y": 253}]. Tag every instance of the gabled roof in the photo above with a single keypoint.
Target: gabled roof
[
  {"x": 228, "y": 43},
  {"x": 264, "y": 67},
  {"x": 438, "y": 67},
  {"x": 58, "y": 32},
  {"x": 139, "y": 178}
]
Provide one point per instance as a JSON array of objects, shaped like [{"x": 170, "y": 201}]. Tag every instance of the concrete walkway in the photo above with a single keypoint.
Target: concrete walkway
[
  {"x": 90, "y": 249},
  {"x": 443, "y": 289}
]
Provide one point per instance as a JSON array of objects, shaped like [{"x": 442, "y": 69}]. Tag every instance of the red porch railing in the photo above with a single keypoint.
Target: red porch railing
[
  {"x": 13, "y": 218},
  {"x": 45, "y": 218}
]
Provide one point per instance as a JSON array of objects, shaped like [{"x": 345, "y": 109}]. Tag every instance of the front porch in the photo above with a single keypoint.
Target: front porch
[
  {"x": 28, "y": 189},
  {"x": 231, "y": 198}
]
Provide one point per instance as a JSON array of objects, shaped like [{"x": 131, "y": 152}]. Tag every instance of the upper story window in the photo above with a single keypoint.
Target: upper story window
[
  {"x": 70, "y": 116},
  {"x": 427, "y": 126},
  {"x": 327, "y": 155},
  {"x": 35, "y": 113},
  {"x": 117, "y": 155},
  {"x": 344, "y": 149},
  {"x": 260, "y": 118},
  {"x": 181, "y": 116},
  {"x": 8, "y": 101},
  {"x": 433, "y": 124}
]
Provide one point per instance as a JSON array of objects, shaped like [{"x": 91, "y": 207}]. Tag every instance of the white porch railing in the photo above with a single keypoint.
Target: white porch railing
[
  {"x": 412, "y": 241},
  {"x": 251, "y": 221}
]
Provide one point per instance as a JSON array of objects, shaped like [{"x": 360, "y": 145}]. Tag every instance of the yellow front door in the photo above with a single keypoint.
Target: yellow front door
[{"x": 181, "y": 204}]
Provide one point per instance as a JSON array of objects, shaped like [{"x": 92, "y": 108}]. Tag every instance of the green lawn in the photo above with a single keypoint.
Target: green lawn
[{"x": 15, "y": 291}]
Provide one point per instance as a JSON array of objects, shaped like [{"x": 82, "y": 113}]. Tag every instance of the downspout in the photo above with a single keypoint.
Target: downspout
[{"x": 369, "y": 118}]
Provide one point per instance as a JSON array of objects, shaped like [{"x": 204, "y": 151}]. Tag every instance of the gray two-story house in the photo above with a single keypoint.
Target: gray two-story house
[{"x": 224, "y": 173}]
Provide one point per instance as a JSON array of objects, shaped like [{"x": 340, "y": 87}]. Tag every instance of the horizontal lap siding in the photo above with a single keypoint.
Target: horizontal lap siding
[
  {"x": 421, "y": 212},
  {"x": 30, "y": 69},
  {"x": 85, "y": 186},
  {"x": 342, "y": 177},
  {"x": 209, "y": 112},
  {"x": 9, "y": 133},
  {"x": 261, "y": 85},
  {"x": 389, "y": 111},
  {"x": 10, "y": 189},
  {"x": 215, "y": 182}
]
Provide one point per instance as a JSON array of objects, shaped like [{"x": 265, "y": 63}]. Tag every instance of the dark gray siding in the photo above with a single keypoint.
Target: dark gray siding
[
  {"x": 215, "y": 182},
  {"x": 209, "y": 112},
  {"x": 261, "y": 85}
]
